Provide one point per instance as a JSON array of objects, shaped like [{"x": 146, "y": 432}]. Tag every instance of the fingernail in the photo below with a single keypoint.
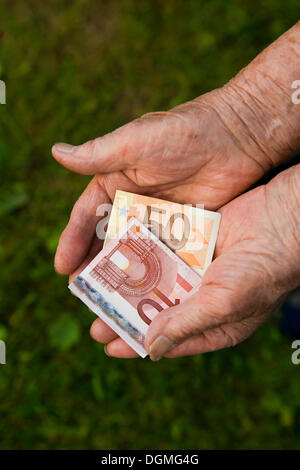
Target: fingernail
[
  {"x": 159, "y": 347},
  {"x": 105, "y": 350},
  {"x": 62, "y": 147}
]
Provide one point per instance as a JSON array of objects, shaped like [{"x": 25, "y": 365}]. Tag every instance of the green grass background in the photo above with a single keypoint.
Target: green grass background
[{"x": 75, "y": 70}]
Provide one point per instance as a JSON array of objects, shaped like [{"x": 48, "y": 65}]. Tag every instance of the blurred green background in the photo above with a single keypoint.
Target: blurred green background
[{"x": 75, "y": 70}]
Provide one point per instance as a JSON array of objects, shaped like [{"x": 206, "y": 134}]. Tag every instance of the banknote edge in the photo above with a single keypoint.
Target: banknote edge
[
  {"x": 216, "y": 216},
  {"x": 96, "y": 309},
  {"x": 212, "y": 242}
]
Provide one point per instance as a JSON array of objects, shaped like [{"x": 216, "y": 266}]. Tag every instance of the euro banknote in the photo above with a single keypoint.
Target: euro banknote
[
  {"x": 191, "y": 232},
  {"x": 131, "y": 280}
]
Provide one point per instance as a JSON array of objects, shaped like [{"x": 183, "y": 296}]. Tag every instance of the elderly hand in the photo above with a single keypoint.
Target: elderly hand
[
  {"x": 207, "y": 151},
  {"x": 257, "y": 264}
]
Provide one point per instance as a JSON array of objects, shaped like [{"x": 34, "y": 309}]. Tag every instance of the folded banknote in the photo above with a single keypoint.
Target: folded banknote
[
  {"x": 131, "y": 280},
  {"x": 191, "y": 232}
]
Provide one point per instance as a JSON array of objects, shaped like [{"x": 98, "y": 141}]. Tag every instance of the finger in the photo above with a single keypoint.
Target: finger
[
  {"x": 214, "y": 339},
  {"x": 115, "y": 151},
  {"x": 211, "y": 340},
  {"x": 95, "y": 247},
  {"x": 77, "y": 237},
  {"x": 174, "y": 325},
  {"x": 227, "y": 295},
  {"x": 101, "y": 332},
  {"x": 118, "y": 348}
]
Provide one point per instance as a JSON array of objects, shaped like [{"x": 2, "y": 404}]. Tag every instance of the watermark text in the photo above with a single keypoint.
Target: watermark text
[
  {"x": 2, "y": 92},
  {"x": 2, "y": 352}
]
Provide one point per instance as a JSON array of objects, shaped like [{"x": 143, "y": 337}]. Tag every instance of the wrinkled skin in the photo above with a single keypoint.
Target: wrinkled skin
[
  {"x": 191, "y": 154},
  {"x": 256, "y": 265}
]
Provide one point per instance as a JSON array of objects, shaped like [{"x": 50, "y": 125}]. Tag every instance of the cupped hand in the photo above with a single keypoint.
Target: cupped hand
[
  {"x": 199, "y": 152},
  {"x": 207, "y": 151},
  {"x": 256, "y": 265}
]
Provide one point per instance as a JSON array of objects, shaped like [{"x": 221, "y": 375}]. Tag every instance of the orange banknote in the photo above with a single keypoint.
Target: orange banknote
[
  {"x": 131, "y": 280},
  {"x": 191, "y": 232}
]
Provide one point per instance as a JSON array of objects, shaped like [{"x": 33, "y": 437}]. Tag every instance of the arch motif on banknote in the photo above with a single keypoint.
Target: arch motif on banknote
[{"x": 108, "y": 274}]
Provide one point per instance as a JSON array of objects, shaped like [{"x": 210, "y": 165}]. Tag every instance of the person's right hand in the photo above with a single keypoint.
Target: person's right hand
[{"x": 256, "y": 266}]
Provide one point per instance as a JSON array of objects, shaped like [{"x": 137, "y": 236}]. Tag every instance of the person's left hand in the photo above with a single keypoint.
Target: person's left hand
[{"x": 256, "y": 265}]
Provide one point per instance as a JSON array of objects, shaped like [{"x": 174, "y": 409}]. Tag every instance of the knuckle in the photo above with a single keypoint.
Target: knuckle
[
  {"x": 231, "y": 337},
  {"x": 78, "y": 217},
  {"x": 215, "y": 305}
]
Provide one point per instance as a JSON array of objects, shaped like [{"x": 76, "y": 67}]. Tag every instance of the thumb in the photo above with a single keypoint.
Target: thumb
[
  {"x": 118, "y": 150},
  {"x": 176, "y": 324},
  {"x": 234, "y": 287},
  {"x": 227, "y": 295}
]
